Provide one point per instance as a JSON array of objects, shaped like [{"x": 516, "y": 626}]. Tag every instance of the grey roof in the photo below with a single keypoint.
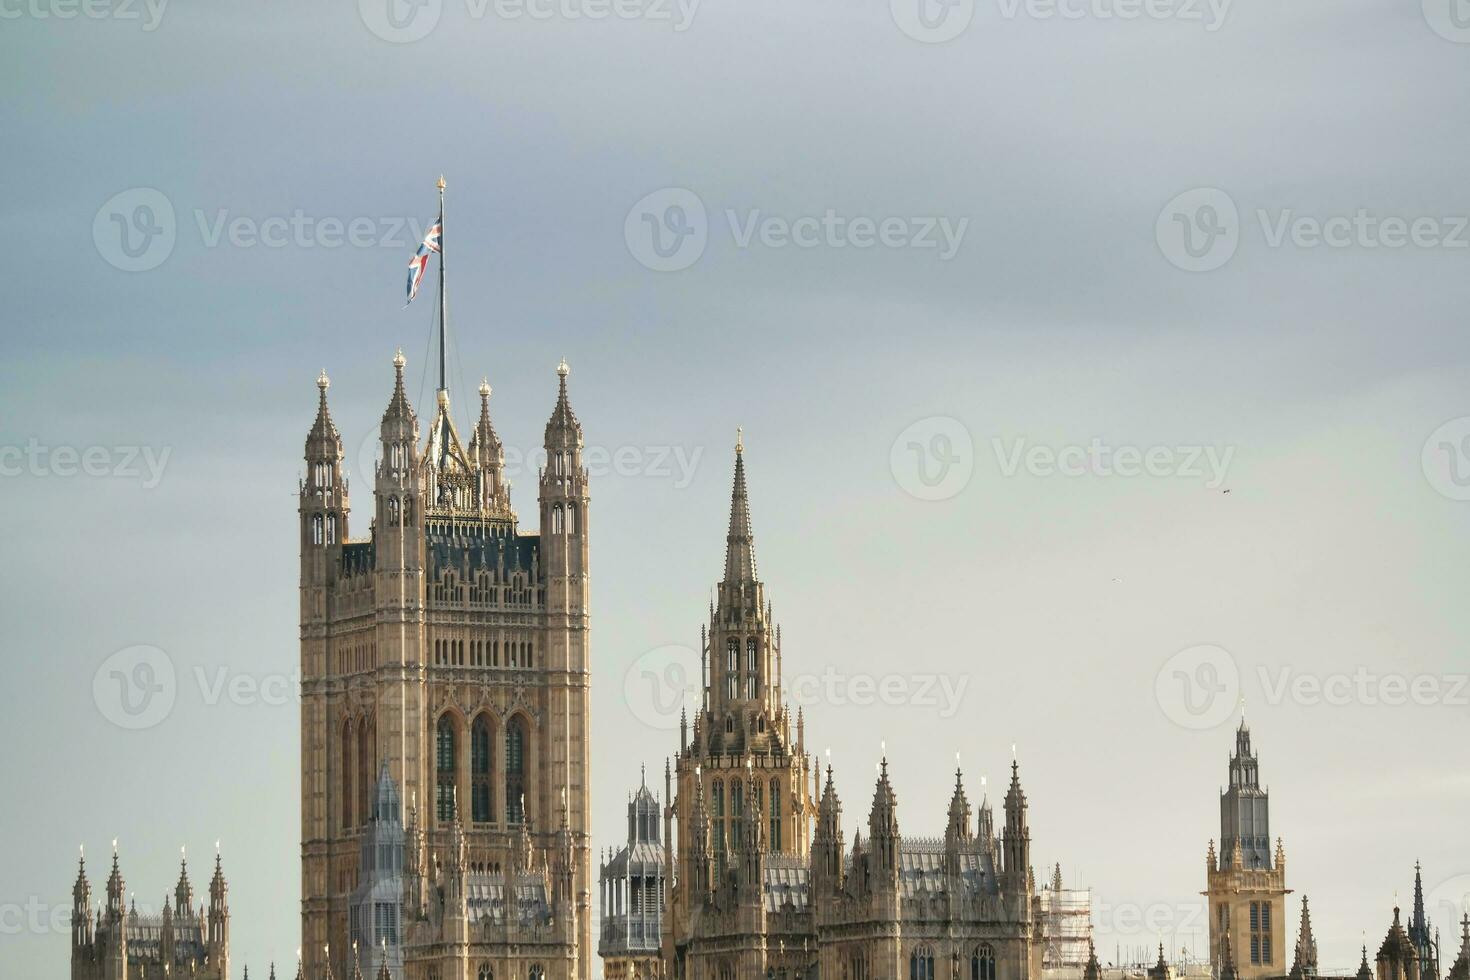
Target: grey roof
[
  {"x": 786, "y": 879},
  {"x": 489, "y": 896}
]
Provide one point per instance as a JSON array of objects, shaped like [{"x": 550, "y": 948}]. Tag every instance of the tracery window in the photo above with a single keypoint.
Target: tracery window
[
  {"x": 480, "y": 792},
  {"x": 444, "y": 758},
  {"x": 982, "y": 963},
  {"x": 921, "y": 963}
]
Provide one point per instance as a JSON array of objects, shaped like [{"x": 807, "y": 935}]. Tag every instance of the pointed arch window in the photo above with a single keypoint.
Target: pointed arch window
[
  {"x": 485, "y": 972},
  {"x": 480, "y": 791},
  {"x": 571, "y": 518},
  {"x": 751, "y": 671},
  {"x": 558, "y": 519},
  {"x": 444, "y": 765},
  {"x": 717, "y": 813},
  {"x": 347, "y": 770},
  {"x": 737, "y": 811},
  {"x": 364, "y": 770},
  {"x": 515, "y": 770},
  {"x": 316, "y": 529},
  {"x": 982, "y": 963},
  {"x": 732, "y": 669},
  {"x": 331, "y": 529},
  {"x": 393, "y": 508},
  {"x": 921, "y": 964},
  {"x": 775, "y": 835}
]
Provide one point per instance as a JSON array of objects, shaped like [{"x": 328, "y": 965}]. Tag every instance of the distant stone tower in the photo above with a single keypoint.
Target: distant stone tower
[
  {"x": 634, "y": 889},
  {"x": 743, "y": 779},
  {"x": 444, "y": 660},
  {"x": 1246, "y": 880},
  {"x": 178, "y": 941}
]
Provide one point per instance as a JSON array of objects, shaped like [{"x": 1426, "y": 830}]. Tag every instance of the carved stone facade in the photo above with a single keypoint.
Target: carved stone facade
[
  {"x": 447, "y": 651},
  {"x": 1246, "y": 882},
  {"x": 765, "y": 885},
  {"x": 180, "y": 942}
]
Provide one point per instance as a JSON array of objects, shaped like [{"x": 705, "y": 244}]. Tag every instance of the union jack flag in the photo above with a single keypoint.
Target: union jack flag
[{"x": 420, "y": 261}]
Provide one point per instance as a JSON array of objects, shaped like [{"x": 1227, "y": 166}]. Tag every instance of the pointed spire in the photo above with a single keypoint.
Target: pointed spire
[
  {"x": 1093, "y": 970},
  {"x": 1365, "y": 972},
  {"x": 1419, "y": 927},
  {"x": 563, "y": 431},
  {"x": 1228, "y": 970},
  {"x": 959, "y": 810},
  {"x": 739, "y": 542},
  {"x": 323, "y": 442},
  {"x": 1304, "y": 963},
  {"x": 399, "y": 406},
  {"x": 1461, "y": 968}
]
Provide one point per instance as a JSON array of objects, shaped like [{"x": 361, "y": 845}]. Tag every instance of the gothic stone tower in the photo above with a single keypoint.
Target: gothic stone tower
[
  {"x": 744, "y": 784},
  {"x": 449, "y": 646},
  {"x": 181, "y": 940},
  {"x": 1246, "y": 881}
]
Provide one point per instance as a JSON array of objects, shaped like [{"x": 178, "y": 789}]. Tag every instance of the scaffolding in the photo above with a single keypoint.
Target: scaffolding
[{"x": 1066, "y": 923}]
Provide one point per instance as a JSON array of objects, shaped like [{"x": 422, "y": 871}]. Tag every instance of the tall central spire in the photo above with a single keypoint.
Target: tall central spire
[{"x": 739, "y": 543}]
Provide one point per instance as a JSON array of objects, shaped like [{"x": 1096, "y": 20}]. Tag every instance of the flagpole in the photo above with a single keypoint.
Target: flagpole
[{"x": 442, "y": 309}]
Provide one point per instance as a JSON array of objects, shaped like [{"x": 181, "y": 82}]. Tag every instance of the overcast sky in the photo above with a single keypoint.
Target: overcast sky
[{"x": 1098, "y": 365}]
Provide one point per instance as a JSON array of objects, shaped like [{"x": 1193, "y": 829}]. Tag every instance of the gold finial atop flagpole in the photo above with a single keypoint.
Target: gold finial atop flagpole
[
  {"x": 739, "y": 439},
  {"x": 440, "y": 184}
]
